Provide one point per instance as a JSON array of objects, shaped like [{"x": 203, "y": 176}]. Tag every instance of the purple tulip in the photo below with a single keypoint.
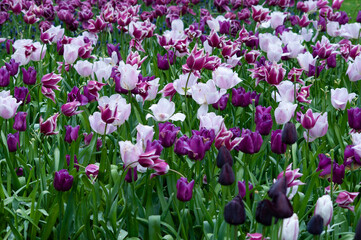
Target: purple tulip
[
  {"x": 226, "y": 177},
  {"x": 92, "y": 170},
  {"x": 20, "y": 172},
  {"x": 180, "y": 145},
  {"x": 264, "y": 213},
  {"x": 223, "y": 157},
  {"x": 251, "y": 142},
  {"x": 324, "y": 166},
  {"x": 76, "y": 165},
  {"x": 354, "y": 118},
  {"x": 351, "y": 158},
  {"x": 13, "y": 141},
  {"x": 208, "y": 136},
  {"x": 29, "y": 76},
  {"x": 20, "y": 121},
  {"x": 71, "y": 134},
  {"x": 315, "y": 225},
  {"x": 308, "y": 120},
  {"x": 184, "y": 189},
  {"x": 156, "y": 144},
  {"x": 63, "y": 181},
  {"x": 114, "y": 48},
  {"x": 131, "y": 175},
  {"x": 168, "y": 133},
  {"x": 263, "y": 120},
  {"x": 75, "y": 95},
  {"x": 242, "y": 188},
  {"x": 20, "y": 93},
  {"x": 222, "y": 103},
  {"x": 358, "y": 18},
  {"x": 289, "y": 133},
  {"x": 12, "y": 67},
  {"x": 344, "y": 199},
  {"x": 241, "y": 98},
  {"x": 196, "y": 147},
  {"x": 277, "y": 146},
  {"x": 4, "y": 77},
  {"x": 234, "y": 212}
]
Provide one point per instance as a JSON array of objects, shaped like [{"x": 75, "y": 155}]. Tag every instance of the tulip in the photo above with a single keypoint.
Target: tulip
[
  {"x": 282, "y": 207},
  {"x": 289, "y": 133},
  {"x": 226, "y": 138},
  {"x": 324, "y": 208},
  {"x": 234, "y": 212},
  {"x": 98, "y": 125},
  {"x": 164, "y": 110},
  {"x": 129, "y": 153},
  {"x": 63, "y": 181},
  {"x": 277, "y": 146},
  {"x": 315, "y": 225},
  {"x": 320, "y": 128},
  {"x": 344, "y": 199},
  {"x": 225, "y": 78},
  {"x": 19, "y": 172},
  {"x": 196, "y": 147},
  {"x": 20, "y": 121},
  {"x": 358, "y": 228},
  {"x": 211, "y": 121},
  {"x": 351, "y": 158},
  {"x": 223, "y": 157},
  {"x": 250, "y": 143},
  {"x": 184, "y": 83},
  {"x": 92, "y": 170},
  {"x": 13, "y": 141},
  {"x": 279, "y": 187},
  {"x": 196, "y": 59},
  {"x": 184, "y": 189},
  {"x": 168, "y": 91},
  {"x": 358, "y": 19},
  {"x": 255, "y": 236},
  {"x": 84, "y": 68},
  {"x": 69, "y": 109},
  {"x": 4, "y": 77},
  {"x": 290, "y": 228},
  {"x": 50, "y": 80},
  {"x": 226, "y": 177},
  {"x": 29, "y": 76},
  {"x": 284, "y": 112},
  {"x": 340, "y": 97},
  {"x": 132, "y": 175},
  {"x": 181, "y": 144},
  {"x": 354, "y": 118},
  {"x": 12, "y": 67},
  {"x": 242, "y": 188},
  {"x": 168, "y": 133},
  {"x": 129, "y": 76},
  {"x": 263, "y": 120},
  {"x": 8, "y": 105},
  {"x": 222, "y": 102},
  {"x": 48, "y": 127},
  {"x": 291, "y": 176},
  {"x": 76, "y": 165},
  {"x": 20, "y": 93},
  {"x": 264, "y": 212},
  {"x": 338, "y": 171},
  {"x": 71, "y": 134},
  {"x": 308, "y": 120}
]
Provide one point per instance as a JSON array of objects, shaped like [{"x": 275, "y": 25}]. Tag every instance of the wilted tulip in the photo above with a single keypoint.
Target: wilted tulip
[
  {"x": 63, "y": 181},
  {"x": 234, "y": 212},
  {"x": 184, "y": 189}
]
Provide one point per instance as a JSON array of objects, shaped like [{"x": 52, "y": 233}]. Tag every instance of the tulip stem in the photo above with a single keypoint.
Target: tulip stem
[
  {"x": 235, "y": 232},
  {"x": 172, "y": 170},
  {"x": 187, "y": 105}
]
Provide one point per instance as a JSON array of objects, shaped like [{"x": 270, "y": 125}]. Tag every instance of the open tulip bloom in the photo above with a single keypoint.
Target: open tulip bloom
[{"x": 186, "y": 119}]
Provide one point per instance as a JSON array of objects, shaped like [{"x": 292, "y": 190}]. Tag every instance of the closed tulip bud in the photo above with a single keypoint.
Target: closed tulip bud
[
  {"x": 71, "y": 134},
  {"x": 234, "y": 212},
  {"x": 279, "y": 187},
  {"x": 19, "y": 172},
  {"x": 13, "y": 141},
  {"x": 264, "y": 212},
  {"x": 290, "y": 228},
  {"x": 289, "y": 133},
  {"x": 63, "y": 181},
  {"x": 226, "y": 177},
  {"x": 184, "y": 189},
  {"x": 354, "y": 118},
  {"x": 324, "y": 208},
  {"x": 168, "y": 133},
  {"x": 282, "y": 207},
  {"x": 20, "y": 121},
  {"x": 251, "y": 142},
  {"x": 223, "y": 157},
  {"x": 277, "y": 146},
  {"x": 4, "y": 77},
  {"x": 92, "y": 170},
  {"x": 76, "y": 165},
  {"x": 358, "y": 228},
  {"x": 263, "y": 120},
  {"x": 29, "y": 76},
  {"x": 132, "y": 175},
  {"x": 315, "y": 225},
  {"x": 242, "y": 188}
]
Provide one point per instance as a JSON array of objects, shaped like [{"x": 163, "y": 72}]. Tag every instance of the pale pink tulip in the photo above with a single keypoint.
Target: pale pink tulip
[
  {"x": 129, "y": 76},
  {"x": 340, "y": 97},
  {"x": 84, "y": 68},
  {"x": 284, "y": 112},
  {"x": 8, "y": 105},
  {"x": 320, "y": 128},
  {"x": 225, "y": 78},
  {"x": 164, "y": 111}
]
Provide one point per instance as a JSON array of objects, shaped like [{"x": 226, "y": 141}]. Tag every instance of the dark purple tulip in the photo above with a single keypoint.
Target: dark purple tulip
[
  {"x": 241, "y": 98},
  {"x": 208, "y": 136},
  {"x": 343, "y": 18},
  {"x": 168, "y": 133},
  {"x": 279, "y": 187},
  {"x": 315, "y": 225},
  {"x": 224, "y": 27},
  {"x": 282, "y": 207},
  {"x": 222, "y": 103},
  {"x": 354, "y": 118},
  {"x": 331, "y": 61},
  {"x": 196, "y": 147},
  {"x": 29, "y": 76},
  {"x": 12, "y": 67},
  {"x": 163, "y": 62},
  {"x": 181, "y": 144},
  {"x": 62, "y": 180},
  {"x": 351, "y": 157},
  {"x": 223, "y": 157},
  {"x": 277, "y": 146},
  {"x": 325, "y": 165},
  {"x": 20, "y": 172},
  {"x": 263, "y": 120},
  {"x": 20, "y": 121},
  {"x": 358, "y": 19},
  {"x": 184, "y": 189},
  {"x": 156, "y": 144},
  {"x": 237, "y": 132},
  {"x": 71, "y": 134},
  {"x": 264, "y": 212},
  {"x": 251, "y": 142},
  {"x": 9, "y": 46},
  {"x": 242, "y": 188},
  {"x": 289, "y": 133},
  {"x": 20, "y": 94},
  {"x": 358, "y": 227},
  {"x": 131, "y": 175},
  {"x": 13, "y": 141},
  {"x": 226, "y": 177},
  {"x": 4, "y": 77},
  {"x": 234, "y": 212},
  {"x": 76, "y": 164}
]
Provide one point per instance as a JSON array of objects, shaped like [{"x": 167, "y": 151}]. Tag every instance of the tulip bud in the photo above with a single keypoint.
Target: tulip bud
[
  {"x": 20, "y": 121},
  {"x": 63, "y": 181},
  {"x": 184, "y": 189},
  {"x": 358, "y": 227},
  {"x": 290, "y": 228},
  {"x": 234, "y": 212},
  {"x": 71, "y": 134},
  {"x": 264, "y": 212},
  {"x": 12, "y": 67},
  {"x": 324, "y": 208},
  {"x": 315, "y": 225},
  {"x": 282, "y": 207},
  {"x": 223, "y": 157},
  {"x": 354, "y": 118},
  {"x": 277, "y": 146},
  {"x": 76, "y": 164},
  {"x": 226, "y": 177},
  {"x": 131, "y": 175},
  {"x": 29, "y": 76},
  {"x": 19, "y": 172},
  {"x": 13, "y": 141},
  {"x": 289, "y": 133},
  {"x": 279, "y": 187}
]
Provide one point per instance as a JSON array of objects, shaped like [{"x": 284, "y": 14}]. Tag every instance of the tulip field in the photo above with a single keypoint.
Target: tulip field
[{"x": 180, "y": 119}]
